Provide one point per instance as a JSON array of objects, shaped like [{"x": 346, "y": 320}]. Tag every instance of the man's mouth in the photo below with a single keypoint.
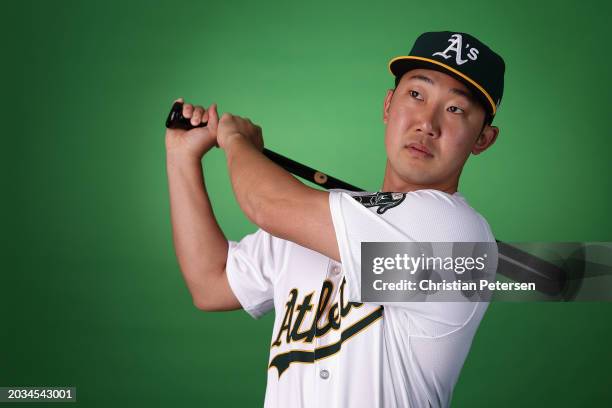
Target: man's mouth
[{"x": 419, "y": 149}]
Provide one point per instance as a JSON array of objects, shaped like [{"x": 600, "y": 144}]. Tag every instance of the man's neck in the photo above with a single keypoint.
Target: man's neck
[{"x": 393, "y": 183}]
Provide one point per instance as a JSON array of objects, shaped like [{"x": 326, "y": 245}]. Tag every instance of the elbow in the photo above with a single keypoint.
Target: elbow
[
  {"x": 201, "y": 303},
  {"x": 203, "y": 293},
  {"x": 200, "y": 299},
  {"x": 206, "y": 303},
  {"x": 213, "y": 305}
]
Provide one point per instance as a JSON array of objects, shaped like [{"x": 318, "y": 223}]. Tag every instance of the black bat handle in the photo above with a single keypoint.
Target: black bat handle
[{"x": 176, "y": 120}]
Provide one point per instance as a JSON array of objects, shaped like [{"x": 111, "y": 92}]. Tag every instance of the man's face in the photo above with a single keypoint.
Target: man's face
[{"x": 431, "y": 111}]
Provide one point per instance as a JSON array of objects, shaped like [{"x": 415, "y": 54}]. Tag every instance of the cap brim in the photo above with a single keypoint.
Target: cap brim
[{"x": 400, "y": 65}]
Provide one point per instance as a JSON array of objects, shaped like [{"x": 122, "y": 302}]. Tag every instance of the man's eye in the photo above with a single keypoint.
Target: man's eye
[
  {"x": 414, "y": 94},
  {"x": 456, "y": 109}
]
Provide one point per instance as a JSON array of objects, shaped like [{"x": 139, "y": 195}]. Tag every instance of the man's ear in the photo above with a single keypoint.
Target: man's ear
[
  {"x": 387, "y": 105},
  {"x": 487, "y": 137}
]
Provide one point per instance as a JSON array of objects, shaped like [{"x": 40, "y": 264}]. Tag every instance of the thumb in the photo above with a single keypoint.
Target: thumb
[{"x": 213, "y": 119}]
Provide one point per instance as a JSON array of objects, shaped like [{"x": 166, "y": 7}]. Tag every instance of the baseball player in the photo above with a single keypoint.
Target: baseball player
[{"x": 328, "y": 348}]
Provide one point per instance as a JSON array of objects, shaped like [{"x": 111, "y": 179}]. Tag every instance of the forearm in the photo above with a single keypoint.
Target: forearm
[
  {"x": 279, "y": 203},
  {"x": 200, "y": 245},
  {"x": 259, "y": 184}
]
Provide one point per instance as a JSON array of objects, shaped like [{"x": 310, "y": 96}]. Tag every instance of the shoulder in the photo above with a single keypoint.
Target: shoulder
[
  {"x": 431, "y": 214},
  {"x": 450, "y": 214},
  {"x": 426, "y": 200},
  {"x": 437, "y": 202}
]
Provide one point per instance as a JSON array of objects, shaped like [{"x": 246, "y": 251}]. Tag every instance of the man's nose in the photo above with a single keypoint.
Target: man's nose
[{"x": 428, "y": 122}]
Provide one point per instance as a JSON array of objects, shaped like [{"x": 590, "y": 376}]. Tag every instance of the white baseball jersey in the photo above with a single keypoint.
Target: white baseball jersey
[{"x": 327, "y": 349}]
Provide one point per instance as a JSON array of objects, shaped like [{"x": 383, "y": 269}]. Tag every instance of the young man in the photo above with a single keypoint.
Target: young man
[{"x": 328, "y": 349}]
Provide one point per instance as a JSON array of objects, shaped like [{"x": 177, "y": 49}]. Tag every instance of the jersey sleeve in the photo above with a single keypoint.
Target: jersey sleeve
[
  {"x": 418, "y": 216},
  {"x": 252, "y": 268}
]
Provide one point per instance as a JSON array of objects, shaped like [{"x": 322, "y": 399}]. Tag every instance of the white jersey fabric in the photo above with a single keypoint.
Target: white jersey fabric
[{"x": 327, "y": 349}]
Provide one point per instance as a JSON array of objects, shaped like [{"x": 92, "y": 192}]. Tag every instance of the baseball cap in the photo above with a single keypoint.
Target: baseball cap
[{"x": 462, "y": 56}]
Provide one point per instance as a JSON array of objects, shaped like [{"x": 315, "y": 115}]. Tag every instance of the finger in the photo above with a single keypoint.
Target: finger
[
  {"x": 198, "y": 111},
  {"x": 212, "y": 117},
  {"x": 187, "y": 110}
]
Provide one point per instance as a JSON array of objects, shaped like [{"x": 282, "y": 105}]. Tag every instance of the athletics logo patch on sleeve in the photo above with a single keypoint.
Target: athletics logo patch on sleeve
[{"x": 383, "y": 201}]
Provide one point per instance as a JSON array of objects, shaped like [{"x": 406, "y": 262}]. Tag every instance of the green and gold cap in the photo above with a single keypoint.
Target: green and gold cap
[{"x": 462, "y": 56}]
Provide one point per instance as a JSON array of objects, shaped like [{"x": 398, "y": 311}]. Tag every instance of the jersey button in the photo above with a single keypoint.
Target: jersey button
[
  {"x": 335, "y": 269},
  {"x": 324, "y": 374}
]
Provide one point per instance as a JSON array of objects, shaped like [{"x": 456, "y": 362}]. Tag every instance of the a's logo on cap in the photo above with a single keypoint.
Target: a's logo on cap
[{"x": 456, "y": 45}]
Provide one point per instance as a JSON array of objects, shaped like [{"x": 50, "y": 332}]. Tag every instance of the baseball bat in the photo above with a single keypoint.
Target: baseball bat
[
  {"x": 176, "y": 120},
  {"x": 514, "y": 263}
]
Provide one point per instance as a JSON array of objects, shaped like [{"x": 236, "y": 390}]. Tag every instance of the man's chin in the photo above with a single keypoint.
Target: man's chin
[{"x": 424, "y": 180}]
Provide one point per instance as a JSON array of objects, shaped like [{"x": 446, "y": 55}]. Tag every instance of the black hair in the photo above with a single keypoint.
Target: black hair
[{"x": 488, "y": 119}]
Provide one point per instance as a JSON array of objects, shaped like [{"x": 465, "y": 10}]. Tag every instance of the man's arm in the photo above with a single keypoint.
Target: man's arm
[
  {"x": 200, "y": 245},
  {"x": 271, "y": 197}
]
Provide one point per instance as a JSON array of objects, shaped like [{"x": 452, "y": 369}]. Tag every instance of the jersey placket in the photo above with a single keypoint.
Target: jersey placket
[{"x": 327, "y": 371}]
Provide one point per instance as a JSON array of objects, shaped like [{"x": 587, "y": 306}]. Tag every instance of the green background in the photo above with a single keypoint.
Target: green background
[{"x": 91, "y": 292}]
